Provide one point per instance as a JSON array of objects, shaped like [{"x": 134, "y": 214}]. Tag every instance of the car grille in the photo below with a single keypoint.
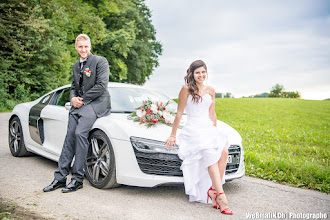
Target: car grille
[
  {"x": 169, "y": 164},
  {"x": 159, "y": 163}
]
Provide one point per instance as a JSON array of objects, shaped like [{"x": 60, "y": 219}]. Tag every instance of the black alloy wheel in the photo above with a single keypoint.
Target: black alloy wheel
[
  {"x": 100, "y": 168},
  {"x": 16, "y": 139}
]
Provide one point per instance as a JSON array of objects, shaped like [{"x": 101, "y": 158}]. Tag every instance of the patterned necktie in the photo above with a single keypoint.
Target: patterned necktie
[{"x": 82, "y": 64}]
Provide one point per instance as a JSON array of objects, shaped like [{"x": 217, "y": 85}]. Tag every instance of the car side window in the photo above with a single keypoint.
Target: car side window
[
  {"x": 64, "y": 97},
  {"x": 61, "y": 97},
  {"x": 46, "y": 99},
  {"x": 55, "y": 97}
]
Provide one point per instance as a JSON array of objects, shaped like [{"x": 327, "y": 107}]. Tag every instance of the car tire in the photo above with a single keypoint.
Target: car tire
[
  {"x": 16, "y": 139},
  {"x": 100, "y": 167}
]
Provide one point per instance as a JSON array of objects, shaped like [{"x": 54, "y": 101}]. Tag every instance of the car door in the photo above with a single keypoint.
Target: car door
[
  {"x": 36, "y": 128},
  {"x": 55, "y": 120}
]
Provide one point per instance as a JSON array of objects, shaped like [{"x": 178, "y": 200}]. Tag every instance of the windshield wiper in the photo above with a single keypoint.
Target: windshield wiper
[{"x": 126, "y": 112}]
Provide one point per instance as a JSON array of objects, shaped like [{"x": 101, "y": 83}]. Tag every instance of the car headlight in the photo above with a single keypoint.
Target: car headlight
[{"x": 152, "y": 146}]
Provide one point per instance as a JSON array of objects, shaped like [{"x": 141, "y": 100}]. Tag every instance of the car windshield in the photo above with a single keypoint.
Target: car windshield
[{"x": 126, "y": 99}]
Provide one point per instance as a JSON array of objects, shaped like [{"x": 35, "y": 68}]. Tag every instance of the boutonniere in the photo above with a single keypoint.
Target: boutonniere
[{"x": 88, "y": 72}]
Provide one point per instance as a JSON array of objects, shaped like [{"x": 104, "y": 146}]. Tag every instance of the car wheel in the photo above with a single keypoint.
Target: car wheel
[
  {"x": 16, "y": 139},
  {"x": 100, "y": 165}
]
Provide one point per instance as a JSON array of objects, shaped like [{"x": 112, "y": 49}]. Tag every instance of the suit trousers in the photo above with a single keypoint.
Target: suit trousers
[{"x": 76, "y": 144}]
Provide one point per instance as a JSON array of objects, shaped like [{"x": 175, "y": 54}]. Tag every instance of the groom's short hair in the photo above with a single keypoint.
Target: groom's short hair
[{"x": 82, "y": 37}]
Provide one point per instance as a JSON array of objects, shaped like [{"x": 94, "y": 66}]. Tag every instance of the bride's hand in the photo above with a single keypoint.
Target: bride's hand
[{"x": 170, "y": 142}]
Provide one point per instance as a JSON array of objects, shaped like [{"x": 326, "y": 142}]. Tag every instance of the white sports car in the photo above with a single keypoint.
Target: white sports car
[{"x": 121, "y": 151}]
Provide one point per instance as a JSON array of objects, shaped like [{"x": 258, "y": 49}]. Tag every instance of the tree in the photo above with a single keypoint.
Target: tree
[
  {"x": 37, "y": 42},
  {"x": 276, "y": 91},
  {"x": 130, "y": 44},
  {"x": 291, "y": 95},
  {"x": 262, "y": 95},
  {"x": 218, "y": 95},
  {"x": 228, "y": 95},
  {"x": 31, "y": 57}
]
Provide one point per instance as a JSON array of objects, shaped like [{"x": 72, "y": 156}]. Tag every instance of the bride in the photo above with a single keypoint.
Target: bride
[{"x": 202, "y": 148}]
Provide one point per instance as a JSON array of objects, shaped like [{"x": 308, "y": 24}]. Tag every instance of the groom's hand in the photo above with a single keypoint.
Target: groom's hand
[{"x": 77, "y": 102}]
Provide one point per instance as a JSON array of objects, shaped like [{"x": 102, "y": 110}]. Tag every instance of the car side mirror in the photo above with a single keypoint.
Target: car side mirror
[{"x": 67, "y": 105}]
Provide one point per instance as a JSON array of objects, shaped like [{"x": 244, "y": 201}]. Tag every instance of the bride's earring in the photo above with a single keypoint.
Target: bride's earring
[{"x": 207, "y": 77}]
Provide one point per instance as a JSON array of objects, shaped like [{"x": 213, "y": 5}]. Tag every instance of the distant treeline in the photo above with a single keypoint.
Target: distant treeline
[
  {"x": 277, "y": 92},
  {"x": 223, "y": 95}
]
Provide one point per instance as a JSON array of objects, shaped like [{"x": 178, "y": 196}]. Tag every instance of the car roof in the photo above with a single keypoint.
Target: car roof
[
  {"x": 111, "y": 84},
  {"x": 116, "y": 84}
]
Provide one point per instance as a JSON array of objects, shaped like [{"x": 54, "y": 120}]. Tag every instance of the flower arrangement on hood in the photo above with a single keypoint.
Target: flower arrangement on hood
[{"x": 151, "y": 113}]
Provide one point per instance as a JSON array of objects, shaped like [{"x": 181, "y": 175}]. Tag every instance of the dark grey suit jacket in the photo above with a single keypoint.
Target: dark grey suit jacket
[{"x": 94, "y": 89}]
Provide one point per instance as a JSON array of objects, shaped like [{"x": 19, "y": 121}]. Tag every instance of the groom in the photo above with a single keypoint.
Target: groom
[{"x": 90, "y": 99}]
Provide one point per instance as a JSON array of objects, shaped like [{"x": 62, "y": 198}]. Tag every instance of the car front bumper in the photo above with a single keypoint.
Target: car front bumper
[{"x": 152, "y": 169}]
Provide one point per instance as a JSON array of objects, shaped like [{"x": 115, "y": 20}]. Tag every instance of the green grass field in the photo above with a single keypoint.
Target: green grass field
[{"x": 285, "y": 140}]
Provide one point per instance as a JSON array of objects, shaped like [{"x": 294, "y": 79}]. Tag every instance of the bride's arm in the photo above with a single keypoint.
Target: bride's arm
[
  {"x": 183, "y": 95},
  {"x": 212, "y": 113}
]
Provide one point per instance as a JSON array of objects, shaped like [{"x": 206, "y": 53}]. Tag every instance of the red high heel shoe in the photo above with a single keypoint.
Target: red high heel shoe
[
  {"x": 226, "y": 211},
  {"x": 209, "y": 197}
]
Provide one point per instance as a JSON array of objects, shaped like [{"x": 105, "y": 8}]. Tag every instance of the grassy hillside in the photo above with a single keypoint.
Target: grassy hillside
[{"x": 285, "y": 140}]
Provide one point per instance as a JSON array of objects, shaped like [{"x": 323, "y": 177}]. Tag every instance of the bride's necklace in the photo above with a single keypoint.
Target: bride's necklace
[{"x": 202, "y": 90}]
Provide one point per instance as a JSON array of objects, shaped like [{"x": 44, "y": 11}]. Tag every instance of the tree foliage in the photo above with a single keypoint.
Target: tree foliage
[
  {"x": 277, "y": 91},
  {"x": 37, "y": 43},
  {"x": 218, "y": 95},
  {"x": 130, "y": 44},
  {"x": 260, "y": 95},
  {"x": 30, "y": 52},
  {"x": 223, "y": 95}
]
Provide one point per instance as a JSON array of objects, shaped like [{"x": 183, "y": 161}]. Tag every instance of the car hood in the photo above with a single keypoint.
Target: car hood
[{"x": 118, "y": 126}]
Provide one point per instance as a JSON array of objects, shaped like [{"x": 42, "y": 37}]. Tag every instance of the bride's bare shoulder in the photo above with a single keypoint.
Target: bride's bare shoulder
[
  {"x": 210, "y": 89},
  {"x": 184, "y": 91}
]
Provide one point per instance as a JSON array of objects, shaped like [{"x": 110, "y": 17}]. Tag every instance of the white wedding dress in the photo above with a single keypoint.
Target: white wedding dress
[{"x": 200, "y": 145}]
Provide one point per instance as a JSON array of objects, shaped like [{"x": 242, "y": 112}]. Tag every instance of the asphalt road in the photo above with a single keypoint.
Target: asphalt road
[{"x": 22, "y": 181}]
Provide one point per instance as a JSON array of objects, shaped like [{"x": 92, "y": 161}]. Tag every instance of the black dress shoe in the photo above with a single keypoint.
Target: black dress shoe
[
  {"x": 54, "y": 185},
  {"x": 74, "y": 185}
]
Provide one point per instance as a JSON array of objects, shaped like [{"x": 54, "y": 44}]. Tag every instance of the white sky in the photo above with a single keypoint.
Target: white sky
[{"x": 247, "y": 45}]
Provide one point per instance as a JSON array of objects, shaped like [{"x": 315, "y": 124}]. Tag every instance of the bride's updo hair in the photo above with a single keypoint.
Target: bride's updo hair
[{"x": 190, "y": 80}]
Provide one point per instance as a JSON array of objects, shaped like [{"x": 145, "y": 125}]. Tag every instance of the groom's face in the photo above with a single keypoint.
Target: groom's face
[{"x": 83, "y": 47}]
